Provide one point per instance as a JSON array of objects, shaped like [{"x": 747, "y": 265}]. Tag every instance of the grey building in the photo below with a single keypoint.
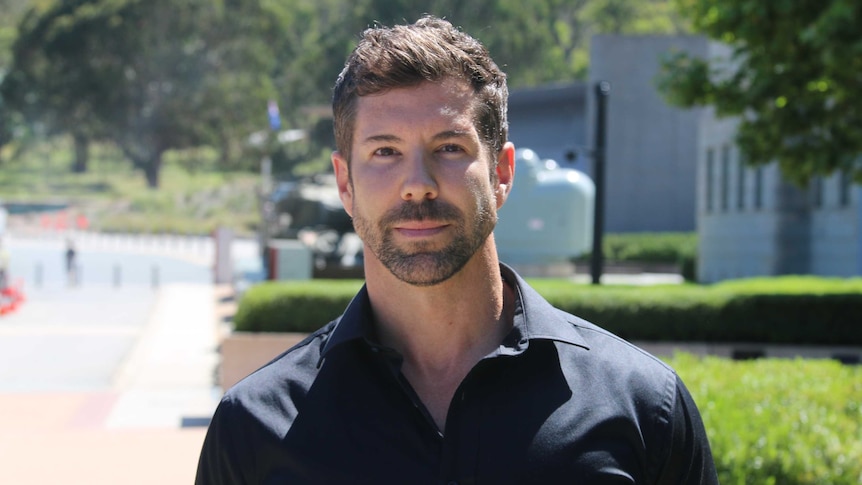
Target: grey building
[
  {"x": 551, "y": 121},
  {"x": 670, "y": 169},
  {"x": 651, "y": 146},
  {"x": 751, "y": 222}
]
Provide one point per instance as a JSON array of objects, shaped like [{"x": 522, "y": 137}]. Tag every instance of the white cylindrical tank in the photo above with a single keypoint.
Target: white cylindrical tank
[{"x": 548, "y": 217}]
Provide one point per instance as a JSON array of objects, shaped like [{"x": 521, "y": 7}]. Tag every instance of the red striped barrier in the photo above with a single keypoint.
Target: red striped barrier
[{"x": 10, "y": 298}]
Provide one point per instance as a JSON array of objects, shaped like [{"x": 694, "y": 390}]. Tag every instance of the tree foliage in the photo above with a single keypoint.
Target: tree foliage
[
  {"x": 792, "y": 78},
  {"x": 156, "y": 75},
  {"x": 147, "y": 75},
  {"x": 10, "y": 11}
]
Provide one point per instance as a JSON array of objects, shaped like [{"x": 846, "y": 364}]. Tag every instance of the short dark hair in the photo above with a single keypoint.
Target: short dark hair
[{"x": 407, "y": 55}]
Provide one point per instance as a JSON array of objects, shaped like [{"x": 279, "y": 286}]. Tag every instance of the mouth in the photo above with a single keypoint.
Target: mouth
[{"x": 420, "y": 228}]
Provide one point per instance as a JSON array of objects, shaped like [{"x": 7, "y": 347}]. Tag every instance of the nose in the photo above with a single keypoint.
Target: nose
[{"x": 419, "y": 181}]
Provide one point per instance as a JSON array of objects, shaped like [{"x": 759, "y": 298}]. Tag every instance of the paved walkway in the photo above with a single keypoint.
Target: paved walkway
[{"x": 107, "y": 386}]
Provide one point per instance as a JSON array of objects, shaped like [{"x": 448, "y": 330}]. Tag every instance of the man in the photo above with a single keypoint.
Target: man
[{"x": 446, "y": 367}]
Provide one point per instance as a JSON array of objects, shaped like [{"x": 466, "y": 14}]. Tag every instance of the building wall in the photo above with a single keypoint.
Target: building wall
[
  {"x": 550, "y": 120},
  {"x": 750, "y": 222},
  {"x": 651, "y": 146},
  {"x": 753, "y": 223},
  {"x": 835, "y": 229},
  {"x": 736, "y": 220}
]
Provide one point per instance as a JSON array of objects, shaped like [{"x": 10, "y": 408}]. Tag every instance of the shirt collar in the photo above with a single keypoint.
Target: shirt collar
[
  {"x": 534, "y": 318},
  {"x": 354, "y": 323}
]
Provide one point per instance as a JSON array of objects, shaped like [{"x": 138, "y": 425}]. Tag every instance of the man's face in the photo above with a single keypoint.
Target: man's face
[{"x": 420, "y": 184}]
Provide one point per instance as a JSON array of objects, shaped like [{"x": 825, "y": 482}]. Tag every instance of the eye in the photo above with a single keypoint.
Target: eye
[
  {"x": 385, "y": 152},
  {"x": 451, "y": 148}
]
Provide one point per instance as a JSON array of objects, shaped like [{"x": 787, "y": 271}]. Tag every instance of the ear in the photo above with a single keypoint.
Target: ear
[
  {"x": 342, "y": 179},
  {"x": 505, "y": 173}
]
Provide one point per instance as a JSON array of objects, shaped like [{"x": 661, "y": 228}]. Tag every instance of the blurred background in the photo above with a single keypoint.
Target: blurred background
[
  {"x": 733, "y": 122},
  {"x": 161, "y": 159}
]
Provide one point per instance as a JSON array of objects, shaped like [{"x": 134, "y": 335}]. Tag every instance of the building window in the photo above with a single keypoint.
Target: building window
[
  {"x": 710, "y": 161},
  {"x": 758, "y": 188},
  {"x": 725, "y": 177},
  {"x": 817, "y": 192},
  {"x": 740, "y": 185},
  {"x": 846, "y": 181}
]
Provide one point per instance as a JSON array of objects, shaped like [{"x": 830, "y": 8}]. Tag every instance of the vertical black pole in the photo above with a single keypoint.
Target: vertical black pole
[{"x": 603, "y": 90}]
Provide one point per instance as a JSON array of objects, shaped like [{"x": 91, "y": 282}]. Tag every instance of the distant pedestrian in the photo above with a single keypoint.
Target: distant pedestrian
[
  {"x": 71, "y": 264},
  {"x": 4, "y": 266}
]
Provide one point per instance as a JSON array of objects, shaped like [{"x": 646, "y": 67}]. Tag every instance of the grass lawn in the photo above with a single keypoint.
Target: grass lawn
[{"x": 193, "y": 197}]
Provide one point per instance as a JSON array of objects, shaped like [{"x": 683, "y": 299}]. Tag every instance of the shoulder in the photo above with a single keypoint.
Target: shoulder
[
  {"x": 294, "y": 364},
  {"x": 625, "y": 384},
  {"x": 273, "y": 392},
  {"x": 591, "y": 354},
  {"x": 624, "y": 369},
  {"x": 611, "y": 348}
]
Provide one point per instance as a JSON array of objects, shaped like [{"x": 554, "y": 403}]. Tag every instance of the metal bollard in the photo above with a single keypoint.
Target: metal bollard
[
  {"x": 154, "y": 276},
  {"x": 37, "y": 277}
]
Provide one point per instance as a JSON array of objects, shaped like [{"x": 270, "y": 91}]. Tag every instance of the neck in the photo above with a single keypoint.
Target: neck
[
  {"x": 436, "y": 326},
  {"x": 442, "y": 331}
]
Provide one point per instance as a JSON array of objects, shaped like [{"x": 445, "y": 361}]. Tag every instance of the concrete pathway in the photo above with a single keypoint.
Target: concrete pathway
[{"x": 100, "y": 385}]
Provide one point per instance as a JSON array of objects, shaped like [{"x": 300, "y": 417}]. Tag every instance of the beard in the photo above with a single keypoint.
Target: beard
[{"x": 419, "y": 264}]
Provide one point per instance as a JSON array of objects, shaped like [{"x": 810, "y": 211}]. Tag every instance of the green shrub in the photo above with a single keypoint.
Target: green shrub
[
  {"x": 688, "y": 267},
  {"x": 716, "y": 314},
  {"x": 777, "y": 310},
  {"x": 779, "y": 421},
  {"x": 293, "y": 306},
  {"x": 791, "y": 285},
  {"x": 648, "y": 247}
]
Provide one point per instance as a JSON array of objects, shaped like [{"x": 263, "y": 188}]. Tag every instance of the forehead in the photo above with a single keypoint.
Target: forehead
[{"x": 448, "y": 104}]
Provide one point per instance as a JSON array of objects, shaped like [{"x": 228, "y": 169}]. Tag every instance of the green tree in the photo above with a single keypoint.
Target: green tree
[
  {"x": 156, "y": 75},
  {"x": 11, "y": 12},
  {"x": 792, "y": 78},
  {"x": 35, "y": 84},
  {"x": 538, "y": 41},
  {"x": 149, "y": 76}
]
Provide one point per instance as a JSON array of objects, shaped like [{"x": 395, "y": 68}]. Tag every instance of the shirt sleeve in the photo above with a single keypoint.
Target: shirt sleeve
[
  {"x": 689, "y": 460},
  {"x": 219, "y": 462}
]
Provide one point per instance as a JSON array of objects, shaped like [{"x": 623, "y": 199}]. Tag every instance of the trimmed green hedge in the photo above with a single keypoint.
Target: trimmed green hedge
[
  {"x": 293, "y": 306},
  {"x": 651, "y": 247},
  {"x": 769, "y": 310},
  {"x": 779, "y": 421},
  {"x": 648, "y": 247}
]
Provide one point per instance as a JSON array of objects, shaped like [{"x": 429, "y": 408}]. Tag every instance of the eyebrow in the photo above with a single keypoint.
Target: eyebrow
[
  {"x": 443, "y": 135},
  {"x": 382, "y": 138}
]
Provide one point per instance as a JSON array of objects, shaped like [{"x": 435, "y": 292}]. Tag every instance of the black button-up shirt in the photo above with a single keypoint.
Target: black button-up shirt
[{"x": 559, "y": 401}]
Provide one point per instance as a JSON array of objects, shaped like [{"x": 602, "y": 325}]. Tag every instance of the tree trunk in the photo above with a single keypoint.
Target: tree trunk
[
  {"x": 152, "y": 169},
  {"x": 82, "y": 153},
  {"x": 150, "y": 162}
]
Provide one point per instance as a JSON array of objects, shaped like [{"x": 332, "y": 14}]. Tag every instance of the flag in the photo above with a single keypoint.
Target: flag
[{"x": 274, "y": 116}]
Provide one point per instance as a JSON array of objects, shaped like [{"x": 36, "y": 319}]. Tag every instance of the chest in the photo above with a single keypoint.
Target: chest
[{"x": 505, "y": 425}]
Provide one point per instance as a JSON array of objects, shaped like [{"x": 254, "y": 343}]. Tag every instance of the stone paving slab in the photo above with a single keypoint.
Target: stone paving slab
[{"x": 54, "y": 438}]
